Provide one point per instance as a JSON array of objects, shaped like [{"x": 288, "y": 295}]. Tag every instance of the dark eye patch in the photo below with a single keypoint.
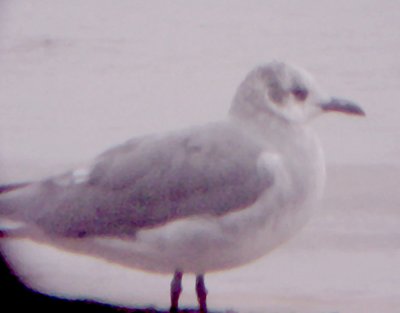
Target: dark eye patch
[
  {"x": 276, "y": 93},
  {"x": 300, "y": 93}
]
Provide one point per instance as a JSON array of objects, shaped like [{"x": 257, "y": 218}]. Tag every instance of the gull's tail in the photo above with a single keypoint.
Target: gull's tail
[
  {"x": 7, "y": 205},
  {"x": 5, "y": 192}
]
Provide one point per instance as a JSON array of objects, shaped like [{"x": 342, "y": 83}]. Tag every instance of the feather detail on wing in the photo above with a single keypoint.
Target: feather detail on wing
[{"x": 149, "y": 181}]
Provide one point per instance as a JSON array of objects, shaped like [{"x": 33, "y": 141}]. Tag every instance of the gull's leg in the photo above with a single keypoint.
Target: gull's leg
[
  {"x": 201, "y": 293},
  {"x": 176, "y": 288}
]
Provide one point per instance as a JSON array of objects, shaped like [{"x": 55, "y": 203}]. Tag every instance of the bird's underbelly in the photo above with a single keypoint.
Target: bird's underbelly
[
  {"x": 209, "y": 243},
  {"x": 205, "y": 243}
]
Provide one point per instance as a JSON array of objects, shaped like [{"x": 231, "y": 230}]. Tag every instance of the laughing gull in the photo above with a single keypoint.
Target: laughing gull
[{"x": 202, "y": 199}]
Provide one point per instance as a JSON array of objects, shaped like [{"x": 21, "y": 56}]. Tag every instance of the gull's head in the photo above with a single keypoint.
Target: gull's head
[{"x": 287, "y": 92}]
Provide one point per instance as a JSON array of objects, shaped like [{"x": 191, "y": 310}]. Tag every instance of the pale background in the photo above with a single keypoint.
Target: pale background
[{"x": 77, "y": 76}]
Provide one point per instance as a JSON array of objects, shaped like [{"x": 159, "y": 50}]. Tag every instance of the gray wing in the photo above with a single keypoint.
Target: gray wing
[{"x": 152, "y": 180}]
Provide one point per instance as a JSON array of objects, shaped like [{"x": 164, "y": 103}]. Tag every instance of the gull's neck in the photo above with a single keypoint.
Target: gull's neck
[
  {"x": 294, "y": 143},
  {"x": 264, "y": 123}
]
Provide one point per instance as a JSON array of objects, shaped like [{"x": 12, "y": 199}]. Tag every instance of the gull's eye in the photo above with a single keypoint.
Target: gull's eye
[{"x": 300, "y": 93}]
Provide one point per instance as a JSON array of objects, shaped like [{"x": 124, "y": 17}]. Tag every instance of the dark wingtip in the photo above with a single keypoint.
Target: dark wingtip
[{"x": 11, "y": 187}]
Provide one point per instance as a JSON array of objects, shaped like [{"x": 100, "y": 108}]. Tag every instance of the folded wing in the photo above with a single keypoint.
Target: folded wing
[{"x": 152, "y": 180}]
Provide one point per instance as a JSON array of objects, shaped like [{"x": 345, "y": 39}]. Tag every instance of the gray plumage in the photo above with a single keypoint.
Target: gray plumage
[{"x": 149, "y": 181}]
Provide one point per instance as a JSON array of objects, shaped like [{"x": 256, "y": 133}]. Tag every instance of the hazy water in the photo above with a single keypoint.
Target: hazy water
[{"x": 79, "y": 76}]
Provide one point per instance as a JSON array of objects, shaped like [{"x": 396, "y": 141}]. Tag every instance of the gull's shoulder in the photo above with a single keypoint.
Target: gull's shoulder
[{"x": 199, "y": 147}]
